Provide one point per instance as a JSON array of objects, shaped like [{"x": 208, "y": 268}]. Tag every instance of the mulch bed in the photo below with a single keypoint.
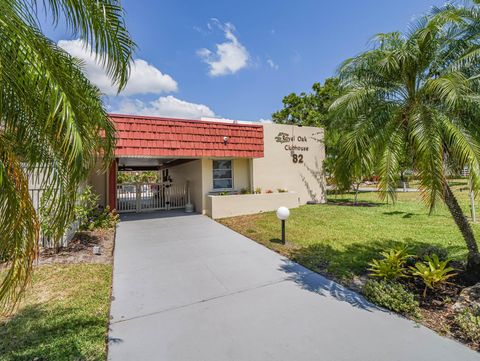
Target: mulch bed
[
  {"x": 437, "y": 308},
  {"x": 80, "y": 249}
]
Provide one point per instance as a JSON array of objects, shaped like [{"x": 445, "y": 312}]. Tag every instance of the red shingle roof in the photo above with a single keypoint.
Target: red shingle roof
[{"x": 142, "y": 136}]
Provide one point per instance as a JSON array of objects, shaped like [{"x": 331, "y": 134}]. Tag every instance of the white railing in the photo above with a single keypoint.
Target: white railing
[
  {"x": 177, "y": 196},
  {"x": 139, "y": 197}
]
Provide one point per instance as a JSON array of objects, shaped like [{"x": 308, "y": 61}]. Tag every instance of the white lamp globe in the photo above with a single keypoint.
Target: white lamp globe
[{"x": 283, "y": 213}]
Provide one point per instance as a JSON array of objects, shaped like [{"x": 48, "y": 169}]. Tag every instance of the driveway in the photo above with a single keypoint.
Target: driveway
[{"x": 188, "y": 288}]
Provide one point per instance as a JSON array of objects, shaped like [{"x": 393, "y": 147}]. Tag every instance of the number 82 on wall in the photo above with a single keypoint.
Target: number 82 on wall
[{"x": 297, "y": 158}]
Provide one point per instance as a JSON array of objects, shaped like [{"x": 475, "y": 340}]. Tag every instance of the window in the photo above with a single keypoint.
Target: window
[{"x": 222, "y": 174}]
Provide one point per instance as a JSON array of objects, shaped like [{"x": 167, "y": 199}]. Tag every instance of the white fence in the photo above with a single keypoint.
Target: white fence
[
  {"x": 47, "y": 242},
  {"x": 140, "y": 197}
]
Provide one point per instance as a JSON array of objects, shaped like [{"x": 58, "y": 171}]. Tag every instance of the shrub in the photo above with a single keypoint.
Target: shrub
[
  {"x": 90, "y": 216},
  {"x": 430, "y": 250},
  {"x": 392, "y": 265},
  {"x": 103, "y": 219},
  {"x": 258, "y": 190},
  {"x": 281, "y": 190},
  {"x": 468, "y": 321},
  {"x": 245, "y": 191},
  {"x": 269, "y": 191},
  {"x": 393, "y": 296},
  {"x": 87, "y": 204},
  {"x": 433, "y": 272}
]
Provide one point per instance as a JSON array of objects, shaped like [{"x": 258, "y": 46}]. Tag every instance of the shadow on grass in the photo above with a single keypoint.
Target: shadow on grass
[
  {"x": 398, "y": 213},
  {"x": 458, "y": 183},
  {"x": 39, "y": 333},
  {"x": 350, "y": 203}
]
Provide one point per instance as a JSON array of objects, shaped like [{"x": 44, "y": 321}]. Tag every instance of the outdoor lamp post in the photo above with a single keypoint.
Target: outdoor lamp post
[{"x": 282, "y": 214}]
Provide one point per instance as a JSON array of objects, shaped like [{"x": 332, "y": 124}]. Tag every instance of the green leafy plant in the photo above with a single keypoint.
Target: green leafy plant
[
  {"x": 245, "y": 191},
  {"x": 281, "y": 190},
  {"x": 392, "y": 265},
  {"x": 468, "y": 321},
  {"x": 86, "y": 205},
  {"x": 430, "y": 250},
  {"x": 433, "y": 272},
  {"x": 393, "y": 296},
  {"x": 103, "y": 219},
  {"x": 90, "y": 216}
]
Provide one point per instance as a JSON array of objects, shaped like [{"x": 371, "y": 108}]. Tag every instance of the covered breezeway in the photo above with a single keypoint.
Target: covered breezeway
[{"x": 146, "y": 184}]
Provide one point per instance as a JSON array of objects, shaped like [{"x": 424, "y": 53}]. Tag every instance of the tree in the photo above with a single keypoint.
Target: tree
[
  {"x": 418, "y": 93},
  {"x": 52, "y": 121},
  {"x": 312, "y": 109},
  {"x": 309, "y": 108}
]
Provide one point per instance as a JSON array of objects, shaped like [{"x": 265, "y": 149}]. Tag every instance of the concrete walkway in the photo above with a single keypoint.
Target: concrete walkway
[{"x": 187, "y": 288}]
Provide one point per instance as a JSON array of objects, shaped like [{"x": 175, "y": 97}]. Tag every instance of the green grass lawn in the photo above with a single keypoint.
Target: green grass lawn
[
  {"x": 64, "y": 315},
  {"x": 340, "y": 240}
]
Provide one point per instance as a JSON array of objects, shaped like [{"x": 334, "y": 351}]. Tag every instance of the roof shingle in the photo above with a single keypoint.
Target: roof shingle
[{"x": 165, "y": 137}]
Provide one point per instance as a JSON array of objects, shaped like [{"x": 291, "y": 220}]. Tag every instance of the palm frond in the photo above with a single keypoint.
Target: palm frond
[
  {"x": 429, "y": 149},
  {"x": 18, "y": 228},
  {"x": 101, "y": 24},
  {"x": 52, "y": 120}
]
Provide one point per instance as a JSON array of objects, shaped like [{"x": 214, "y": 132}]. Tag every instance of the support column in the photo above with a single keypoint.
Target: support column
[{"x": 112, "y": 185}]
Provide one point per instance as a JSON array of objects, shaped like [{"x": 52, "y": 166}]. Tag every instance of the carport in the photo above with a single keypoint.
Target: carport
[
  {"x": 163, "y": 194},
  {"x": 182, "y": 152}
]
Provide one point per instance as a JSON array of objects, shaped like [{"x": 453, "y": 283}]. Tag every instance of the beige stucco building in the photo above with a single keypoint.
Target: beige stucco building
[{"x": 217, "y": 168}]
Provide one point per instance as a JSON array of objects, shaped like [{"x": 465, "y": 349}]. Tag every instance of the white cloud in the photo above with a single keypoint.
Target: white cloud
[
  {"x": 272, "y": 64},
  {"x": 144, "y": 77},
  {"x": 229, "y": 56},
  {"x": 167, "y": 106}
]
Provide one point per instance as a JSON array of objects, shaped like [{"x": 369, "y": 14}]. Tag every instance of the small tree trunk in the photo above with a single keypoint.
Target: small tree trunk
[
  {"x": 473, "y": 263},
  {"x": 356, "y": 193},
  {"x": 472, "y": 202}
]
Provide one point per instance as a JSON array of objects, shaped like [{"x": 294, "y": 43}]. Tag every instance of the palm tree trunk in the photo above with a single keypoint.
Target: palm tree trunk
[{"x": 473, "y": 263}]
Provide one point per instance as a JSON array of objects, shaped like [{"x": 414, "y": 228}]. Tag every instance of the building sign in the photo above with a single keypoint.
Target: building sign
[
  {"x": 293, "y": 148},
  {"x": 283, "y": 138}
]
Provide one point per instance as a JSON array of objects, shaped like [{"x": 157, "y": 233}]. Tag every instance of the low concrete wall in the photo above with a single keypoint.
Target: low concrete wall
[{"x": 242, "y": 204}]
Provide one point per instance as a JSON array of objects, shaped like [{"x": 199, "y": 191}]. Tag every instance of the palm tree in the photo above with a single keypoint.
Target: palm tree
[
  {"x": 417, "y": 93},
  {"x": 52, "y": 121}
]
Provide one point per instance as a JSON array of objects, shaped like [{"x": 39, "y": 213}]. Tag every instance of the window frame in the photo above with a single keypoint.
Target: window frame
[{"x": 213, "y": 177}]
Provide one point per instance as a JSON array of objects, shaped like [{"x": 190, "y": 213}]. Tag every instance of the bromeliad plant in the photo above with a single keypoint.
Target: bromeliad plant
[
  {"x": 392, "y": 266},
  {"x": 433, "y": 272}
]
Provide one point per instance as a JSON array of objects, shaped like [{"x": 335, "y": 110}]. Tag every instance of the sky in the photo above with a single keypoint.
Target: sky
[{"x": 237, "y": 59}]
